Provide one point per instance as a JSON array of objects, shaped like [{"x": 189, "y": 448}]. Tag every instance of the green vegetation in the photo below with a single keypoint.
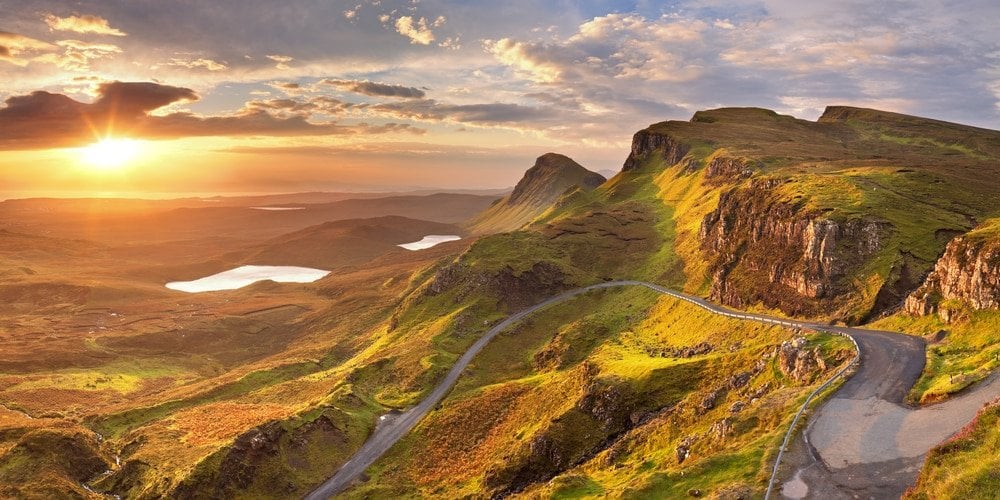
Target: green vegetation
[
  {"x": 967, "y": 352},
  {"x": 619, "y": 392},
  {"x": 967, "y": 465},
  {"x": 538, "y": 381}
]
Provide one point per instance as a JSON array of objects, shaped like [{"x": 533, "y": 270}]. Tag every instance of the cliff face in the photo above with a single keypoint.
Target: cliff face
[
  {"x": 968, "y": 272},
  {"x": 646, "y": 142},
  {"x": 765, "y": 250}
]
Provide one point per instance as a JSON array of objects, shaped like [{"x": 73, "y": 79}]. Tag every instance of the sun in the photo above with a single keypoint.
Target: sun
[{"x": 110, "y": 153}]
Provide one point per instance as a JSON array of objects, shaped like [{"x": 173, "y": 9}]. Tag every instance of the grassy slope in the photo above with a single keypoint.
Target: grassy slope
[
  {"x": 367, "y": 352},
  {"x": 671, "y": 202},
  {"x": 970, "y": 349},
  {"x": 527, "y": 383},
  {"x": 967, "y": 466}
]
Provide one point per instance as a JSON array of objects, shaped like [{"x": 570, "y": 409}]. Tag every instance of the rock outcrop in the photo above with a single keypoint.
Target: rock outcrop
[
  {"x": 727, "y": 168},
  {"x": 968, "y": 274},
  {"x": 515, "y": 290},
  {"x": 770, "y": 251},
  {"x": 798, "y": 363},
  {"x": 646, "y": 142}
]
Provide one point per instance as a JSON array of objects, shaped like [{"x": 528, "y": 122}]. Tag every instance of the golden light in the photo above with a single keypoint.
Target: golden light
[{"x": 111, "y": 154}]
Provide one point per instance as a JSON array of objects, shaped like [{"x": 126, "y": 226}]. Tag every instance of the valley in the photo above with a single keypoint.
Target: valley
[{"x": 651, "y": 335}]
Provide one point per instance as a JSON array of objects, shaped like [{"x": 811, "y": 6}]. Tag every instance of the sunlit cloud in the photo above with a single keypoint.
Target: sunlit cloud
[
  {"x": 281, "y": 60},
  {"x": 46, "y": 120},
  {"x": 82, "y": 24},
  {"x": 416, "y": 30},
  {"x": 202, "y": 63}
]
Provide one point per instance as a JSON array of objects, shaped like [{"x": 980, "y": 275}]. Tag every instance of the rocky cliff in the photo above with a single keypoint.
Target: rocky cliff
[
  {"x": 766, "y": 250},
  {"x": 647, "y": 142},
  {"x": 968, "y": 274}
]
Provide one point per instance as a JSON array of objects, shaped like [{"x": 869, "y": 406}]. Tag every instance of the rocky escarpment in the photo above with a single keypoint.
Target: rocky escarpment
[
  {"x": 968, "y": 274},
  {"x": 259, "y": 461},
  {"x": 723, "y": 167},
  {"x": 766, "y": 250},
  {"x": 515, "y": 290},
  {"x": 646, "y": 143},
  {"x": 605, "y": 407}
]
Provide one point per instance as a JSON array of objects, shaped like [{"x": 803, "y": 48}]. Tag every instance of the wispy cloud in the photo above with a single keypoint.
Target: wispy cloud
[
  {"x": 84, "y": 23},
  {"x": 376, "y": 89}
]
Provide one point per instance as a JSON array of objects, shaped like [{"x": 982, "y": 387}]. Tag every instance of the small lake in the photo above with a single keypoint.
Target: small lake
[
  {"x": 429, "y": 241},
  {"x": 277, "y": 209},
  {"x": 248, "y": 275}
]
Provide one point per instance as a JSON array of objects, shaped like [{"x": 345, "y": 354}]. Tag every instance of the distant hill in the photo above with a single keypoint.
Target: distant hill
[
  {"x": 345, "y": 242},
  {"x": 86, "y": 220},
  {"x": 552, "y": 176}
]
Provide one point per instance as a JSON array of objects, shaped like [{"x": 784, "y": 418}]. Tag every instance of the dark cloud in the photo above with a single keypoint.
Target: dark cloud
[
  {"x": 138, "y": 98},
  {"x": 4, "y": 51},
  {"x": 376, "y": 89},
  {"x": 478, "y": 114},
  {"x": 44, "y": 120}
]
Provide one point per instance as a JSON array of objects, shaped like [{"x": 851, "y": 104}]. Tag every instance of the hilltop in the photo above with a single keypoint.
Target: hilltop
[{"x": 552, "y": 176}]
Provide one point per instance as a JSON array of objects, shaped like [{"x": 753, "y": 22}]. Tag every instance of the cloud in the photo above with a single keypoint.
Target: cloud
[
  {"x": 320, "y": 104},
  {"x": 203, "y": 63},
  {"x": 486, "y": 114},
  {"x": 82, "y": 24},
  {"x": 281, "y": 60},
  {"x": 74, "y": 55},
  {"x": 13, "y": 46},
  {"x": 618, "y": 46},
  {"x": 376, "y": 89},
  {"x": 46, "y": 120},
  {"x": 416, "y": 30}
]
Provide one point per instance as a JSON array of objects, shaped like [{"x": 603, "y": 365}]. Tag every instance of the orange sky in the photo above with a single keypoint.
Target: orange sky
[{"x": 259, "y": 96}]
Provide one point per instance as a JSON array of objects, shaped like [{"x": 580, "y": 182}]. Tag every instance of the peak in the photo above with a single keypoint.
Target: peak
[
  {"x": 556, "y": 160},
  {"x": 551, "y": 175}
]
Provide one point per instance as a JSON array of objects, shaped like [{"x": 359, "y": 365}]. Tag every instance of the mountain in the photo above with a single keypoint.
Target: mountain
[
  {"x": 137, "y": 222},
  {"x": 553, "y": 175},
  {"x": 861, "y": 217},
  {"x": 346, "y": 242}
]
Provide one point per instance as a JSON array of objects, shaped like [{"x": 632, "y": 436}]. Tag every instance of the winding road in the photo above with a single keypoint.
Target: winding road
[{"x": 859, "y": 445}]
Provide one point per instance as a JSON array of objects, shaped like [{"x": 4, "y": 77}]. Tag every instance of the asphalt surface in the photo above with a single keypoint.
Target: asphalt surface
[
  {"x": 865, "y": 441},
  {"x": 890, "y": 363}
]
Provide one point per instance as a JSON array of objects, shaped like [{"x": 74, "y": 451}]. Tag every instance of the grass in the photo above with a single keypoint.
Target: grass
[
  {"x": 514, "y": 394},
  {"x": 968, "y": 353},
  {"x": 967, "y": 465},
  {"x": 595, "y": 379}
]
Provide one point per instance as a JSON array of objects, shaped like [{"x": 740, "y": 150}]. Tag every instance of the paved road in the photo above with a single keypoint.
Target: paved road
[
  {"x": 865, "y": 442},
  {"x": 890, "y": 363}
]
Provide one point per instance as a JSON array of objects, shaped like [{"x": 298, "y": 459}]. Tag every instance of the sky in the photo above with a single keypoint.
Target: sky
[{"x": 239, "y": 96}]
